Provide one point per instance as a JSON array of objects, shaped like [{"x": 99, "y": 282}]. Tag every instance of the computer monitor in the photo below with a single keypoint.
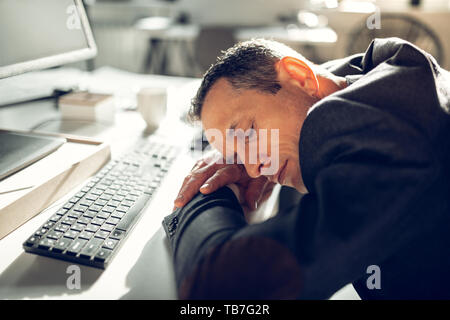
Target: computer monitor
[{"x": 39, "y": 34}]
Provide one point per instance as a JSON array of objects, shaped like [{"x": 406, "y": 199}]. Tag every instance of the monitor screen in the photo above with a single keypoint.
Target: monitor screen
[{"x": 37, "y": 34}]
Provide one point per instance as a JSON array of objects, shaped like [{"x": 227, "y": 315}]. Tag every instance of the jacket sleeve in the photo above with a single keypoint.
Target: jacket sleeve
[{"x": 369, "y": 183}]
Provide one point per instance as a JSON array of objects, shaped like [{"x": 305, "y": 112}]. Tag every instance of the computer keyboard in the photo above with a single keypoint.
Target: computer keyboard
[{"x": 90, "y": 228}]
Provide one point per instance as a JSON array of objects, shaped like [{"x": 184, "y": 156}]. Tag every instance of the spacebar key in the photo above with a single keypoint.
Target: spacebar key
[{"x": 128, "y": 219}]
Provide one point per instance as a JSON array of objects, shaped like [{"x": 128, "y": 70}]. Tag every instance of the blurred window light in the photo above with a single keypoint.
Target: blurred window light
[
  {"x": 318, "y": 35},
  {"x": 154, "y": 23},
  {"x": 357, "y": 6},
  {"x": 309, "y": 19},
  {"x": 329, "y": 4}
]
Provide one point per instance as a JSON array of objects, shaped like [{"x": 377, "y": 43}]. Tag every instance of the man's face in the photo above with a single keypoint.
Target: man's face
[{"x": 281, "y": 115}]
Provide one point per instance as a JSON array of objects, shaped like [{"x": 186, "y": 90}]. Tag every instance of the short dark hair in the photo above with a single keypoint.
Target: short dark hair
[{"x": 246, "y": 65}]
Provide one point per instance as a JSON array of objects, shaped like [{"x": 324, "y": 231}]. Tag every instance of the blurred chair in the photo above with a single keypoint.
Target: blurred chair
[
  {"x": 209, "y": 44},
  {"x": 169, "y": 43},
  {"x": 397, "y": 25}
]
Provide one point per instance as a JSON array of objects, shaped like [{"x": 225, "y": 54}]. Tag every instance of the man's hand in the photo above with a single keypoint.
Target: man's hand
[{"x": 210, "y": 174}]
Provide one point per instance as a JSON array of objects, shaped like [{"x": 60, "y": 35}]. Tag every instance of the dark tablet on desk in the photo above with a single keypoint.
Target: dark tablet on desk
[{"x": 18, "y": 150}]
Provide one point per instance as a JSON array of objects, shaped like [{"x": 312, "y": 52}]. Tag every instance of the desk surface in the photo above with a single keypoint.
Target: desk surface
[{"x": 142, "y": 268}]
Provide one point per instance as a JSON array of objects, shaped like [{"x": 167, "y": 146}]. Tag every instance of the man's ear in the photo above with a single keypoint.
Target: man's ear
[{"x": 298, "y": 73}]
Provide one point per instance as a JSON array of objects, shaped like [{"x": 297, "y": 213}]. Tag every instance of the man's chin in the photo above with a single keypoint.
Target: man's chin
[{"x": 293, "y": 179}]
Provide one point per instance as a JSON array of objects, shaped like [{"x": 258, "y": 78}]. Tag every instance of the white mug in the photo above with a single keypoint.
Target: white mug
[{"x": 152, "y": 105}]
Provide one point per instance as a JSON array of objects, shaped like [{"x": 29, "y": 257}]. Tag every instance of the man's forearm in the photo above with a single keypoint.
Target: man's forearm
[{"x": 205, "y": 222}]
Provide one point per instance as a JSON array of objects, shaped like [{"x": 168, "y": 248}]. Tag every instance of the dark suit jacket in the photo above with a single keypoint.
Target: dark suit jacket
[{"x": 375, "y": 158}]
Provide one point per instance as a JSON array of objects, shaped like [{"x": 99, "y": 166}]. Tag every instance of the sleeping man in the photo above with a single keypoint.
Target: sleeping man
[{"x": 366, "y": 139}]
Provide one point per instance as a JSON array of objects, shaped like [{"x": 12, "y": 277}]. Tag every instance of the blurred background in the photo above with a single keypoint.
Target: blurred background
[{"x": 183, "y": 37}]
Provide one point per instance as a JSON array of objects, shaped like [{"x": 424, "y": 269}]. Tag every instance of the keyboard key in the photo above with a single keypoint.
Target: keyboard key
[
  {"x": 95, "y": 208},
  {"x": 118, "y": 198},
  {"x": 122, "y": 209},
  {"x": 127, "y": 189},
  {"x": 80, "y": 208},
  {"x": 71, "y": 234},
  {"x": 101, "y": 202},
  {"x": 97, "y": 221},
  {"x": 97, "y": 192},
  {"x": 80, "y": 194},
  {"x": 84, "y": 220},
  {"x": 68, "y": 205},
  {"x": 103, "y": 214},
  {"x": 113, "y": 203},
  {"x": 107, "y": 227},
  {"x": 127, "y": 203},
  {"x": 135, "y": 193},
  {"x": 110, "y": 244},
  {"x": 128, "y": 219},
  {"x": 106, "y": 197},
  {"x": 131, "y": 198},
  {"x": 95, "y": 179},
  {"x": 86, "y": 203},
  {"x": 109, "y": 209},
  {"x": 153, "y": 185},
  {"x": 102, "y": 254},
  {"x": 61, "y": 245},
  {"x": 77, "y": 227},
  {"x": 102, "y": 187},
  {"x": 122, "y": 193},
  {"x": 102, "y": 234},
  {"x": 55, "y": 218},
  {"x": 91, "y": 197},
  {"x": 48, "y": 225},
  {"x": 117, "y": 234},
  {"x": 62, "y": 227},
  {"x": 76, "y": 246},
  {"x": 92, "y": 228},
  {"x": 87, "y": 235},
  {"x": 90, "y": 248},
  {"x": 112, "y": 221},
  {"x": 68, "y": 220},
  {"x": 74, "y": 199},
  {"x": 74, "y": 214},
  {"x": 46, "y": 243},
  {"x": 117, "y": 214},
  {"x": 90, "y": 214},
  {"x": 31, "y": 241},
  {"x": 55, "y": 235},
  {"x": 61, "y": 211},
  {"x": 41, "y": 232},
  {"x": 110, "y": 191}
]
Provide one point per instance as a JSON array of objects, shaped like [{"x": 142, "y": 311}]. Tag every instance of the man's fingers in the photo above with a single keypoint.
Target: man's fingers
[
  {"x": 222, "y": 177},
  {"x": 191, "y": 184},
  {"x": 190, "y": 187}
]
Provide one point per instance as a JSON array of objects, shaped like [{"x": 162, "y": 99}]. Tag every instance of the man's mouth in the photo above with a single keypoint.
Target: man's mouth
[{"x": 281, "y": 173}]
